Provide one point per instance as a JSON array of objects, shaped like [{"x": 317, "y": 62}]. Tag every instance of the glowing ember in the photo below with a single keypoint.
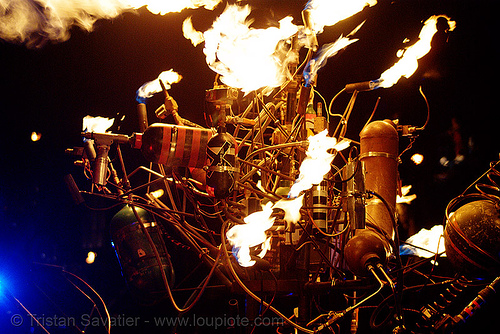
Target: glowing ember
[
  {"x": 328, "y": 12},
  {"x": 97, "y": 124},
  {"x": 429, "y": 240},
  {"x": 36, "y": 136},
  {"x": 250, "y": 234},
  {"x": 152, "y": 87},
  {"x": 408, "y": 63},
  {"x": 317, "y": 162},
  {"x": 245, "y": 57},
  {"x": 417, "y": 158}
]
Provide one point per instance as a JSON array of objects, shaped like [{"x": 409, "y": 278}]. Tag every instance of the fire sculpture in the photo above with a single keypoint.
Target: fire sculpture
[{"x": 270, "y": 179}]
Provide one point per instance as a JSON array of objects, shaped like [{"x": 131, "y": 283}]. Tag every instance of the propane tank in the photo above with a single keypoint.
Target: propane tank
[
  {"x": 379, "y": 157},
  {"x": 379, "y": 154},
  {"x": 173, "y": 145},
  {"x": 222, "y": 169},
  {"x": 136, "y": 255}
]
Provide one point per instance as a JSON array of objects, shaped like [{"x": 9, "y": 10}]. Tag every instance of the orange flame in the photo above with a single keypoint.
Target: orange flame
[
  {"x": 408, "y": 64},
  {"x": 405, "y": 198},
  {"x": 328, "y": 12},
  {"x": 250, "y": 234},
  {"x": 253, "y": 232},
  {"x": 291, "y": 208},
  {"x": 189, "y": 32},
  {"x": 245, "y": 57},
  {"x": 152, "y": 87},
  {"x": 35, "y": 22},
  {"x": 317, "y": 162},
  {"x": 163, "y": 7}
]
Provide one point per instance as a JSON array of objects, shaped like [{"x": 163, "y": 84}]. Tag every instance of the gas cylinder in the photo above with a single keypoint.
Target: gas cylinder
[
  {"x": 173, "y": 145},
  {"x": 379, "y": 154},
  {"x": 379, "y": 157},
  {"x": 138, "y": 261}
]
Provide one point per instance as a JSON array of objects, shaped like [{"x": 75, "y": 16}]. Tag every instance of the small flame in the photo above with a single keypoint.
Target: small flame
[
  {"x": 36, "y": 136},
  {"x": 152, "y": 87},
  {"x": 430, "y": 240},
  {"x": 97, "y": 124},
  {"x": 246, "y": 57},
  {"x": 408, "y": 64},
  {"x": 317, "y": 162},
  {"x": 405, "y": 198},
  {"x": 250, "y": 234},
  {"x": 253, "y": 232},
  {"x": 90, "y": 257},
  {"x": 417, "y": 158},
  {"x": 328, "y": 12}
]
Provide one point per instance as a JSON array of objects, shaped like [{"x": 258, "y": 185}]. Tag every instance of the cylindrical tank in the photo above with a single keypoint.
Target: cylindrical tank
[
  {"x": 379, "y": 154},
  {"x": 174, "y": 145},
  {"x": 472, "y": 238},
  {"x": 222, "y": 170},
  {"x": 138, "y": 261}
]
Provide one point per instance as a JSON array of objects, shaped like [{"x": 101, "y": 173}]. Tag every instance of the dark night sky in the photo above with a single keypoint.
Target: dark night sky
[{"x": 50, "y": 90}]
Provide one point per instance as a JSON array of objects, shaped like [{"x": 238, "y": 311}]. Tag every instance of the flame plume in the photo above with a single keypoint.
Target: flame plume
[
  {"x": 317, "y": 162},
  {"x": 253, "y": 232},
  {"x": 408, "y": 64},
  {"x": 189, "y": 32},
  {"x": 35, "y": 21},
  {"x": 163, "y": 7},
  {"x": 328, "y": 12},
  {"x": 152, "y": 87},
  {"x": 250, "y": 234},
  {"x": 245, "y": 57},
  {"x": 426, "y": 243}
]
